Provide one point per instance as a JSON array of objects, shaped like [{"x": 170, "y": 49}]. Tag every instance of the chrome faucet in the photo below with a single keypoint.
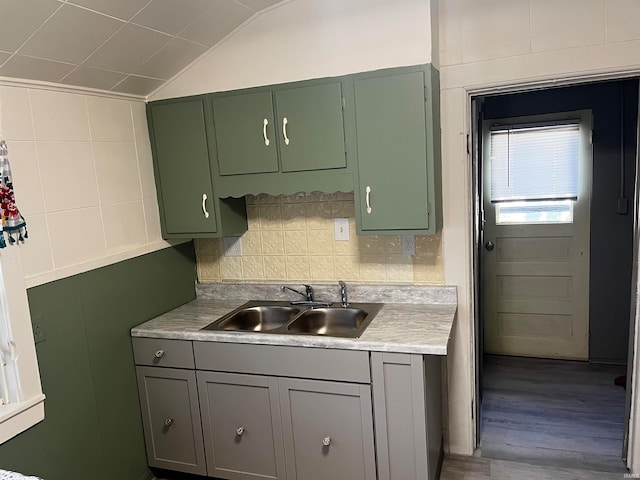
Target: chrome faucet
[
  {"x": 309, "y": 295},
  {"x": 343, "y": 294}
]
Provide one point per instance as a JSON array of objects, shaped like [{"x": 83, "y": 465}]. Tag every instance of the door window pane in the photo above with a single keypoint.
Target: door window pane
[{"x": 560, "y": 211}]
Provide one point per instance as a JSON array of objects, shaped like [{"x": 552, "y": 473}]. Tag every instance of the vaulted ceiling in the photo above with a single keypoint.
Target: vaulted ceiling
[{"x": 126, "y": 46}]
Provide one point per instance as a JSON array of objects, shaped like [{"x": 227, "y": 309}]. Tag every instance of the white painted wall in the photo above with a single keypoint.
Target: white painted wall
[
  {"x": 305, "y": 39},
  {"x": 83, "y": 179}
]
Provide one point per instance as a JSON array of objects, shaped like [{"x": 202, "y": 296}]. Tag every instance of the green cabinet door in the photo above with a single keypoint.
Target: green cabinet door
[
  {"x": 181, "y": 163},
  {"x": 245, "y": 133},
  {"x": 311, "y": 127},
  {"x": 391, "y": 125}
]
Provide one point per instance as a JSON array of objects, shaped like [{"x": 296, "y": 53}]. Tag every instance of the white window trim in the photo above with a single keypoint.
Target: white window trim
[{"x": 19, "y": 416}]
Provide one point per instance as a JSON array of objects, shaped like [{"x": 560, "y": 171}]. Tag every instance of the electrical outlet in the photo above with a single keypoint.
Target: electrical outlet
[
  {"x": 38, "y": 332},
  {"x": 232, "y": 246},
  {"x": 341, "y": 228},
  {"x": 408, "y": 245}
]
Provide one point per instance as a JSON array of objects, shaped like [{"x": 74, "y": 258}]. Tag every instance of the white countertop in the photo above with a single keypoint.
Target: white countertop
[{"x": 422, "y": 328}]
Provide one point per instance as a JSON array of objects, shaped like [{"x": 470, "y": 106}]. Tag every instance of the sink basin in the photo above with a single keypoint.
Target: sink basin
[
  {"x": 256, "y": 318},
  {"x": 334, "y": 321},
  {"x": 284, "y": 318}
]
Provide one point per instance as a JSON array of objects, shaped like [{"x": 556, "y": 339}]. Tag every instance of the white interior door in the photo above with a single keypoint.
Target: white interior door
[{"x": 536, "y": 234}]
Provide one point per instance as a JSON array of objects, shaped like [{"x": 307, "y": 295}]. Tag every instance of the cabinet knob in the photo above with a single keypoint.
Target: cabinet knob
[
  {"x": 168, "y": 422},
  {"x": 326, "y": 441},
  {"x": 240, "y": 431},
  {"x": 160, "y": 354}
]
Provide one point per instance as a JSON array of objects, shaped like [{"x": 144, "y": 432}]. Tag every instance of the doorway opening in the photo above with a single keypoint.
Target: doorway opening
[{"x": 554, "y": 260}]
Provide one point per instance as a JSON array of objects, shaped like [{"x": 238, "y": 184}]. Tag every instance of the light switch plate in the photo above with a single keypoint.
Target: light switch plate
[
  {"x": 408, "y": 245},
  {"x": 232, "y": 246},
  {"x": 341, "y": 228}
]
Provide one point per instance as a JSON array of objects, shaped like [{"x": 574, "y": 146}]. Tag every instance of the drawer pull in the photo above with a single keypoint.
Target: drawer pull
[
  {"x": 204, "y": 205},
  {"x": 168, "y": 422},
  {"x": 240, "y": 431},
  {"x": 367, "y": 198},
  {"x": 284, "y": 130},
  {"x": 265, "y": 122},
  {"x": 160, "y": 354},
  {"x": 326, "y": 441}
]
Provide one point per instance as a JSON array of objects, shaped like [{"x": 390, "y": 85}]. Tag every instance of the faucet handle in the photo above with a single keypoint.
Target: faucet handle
[{"x": 309, "y": 290}]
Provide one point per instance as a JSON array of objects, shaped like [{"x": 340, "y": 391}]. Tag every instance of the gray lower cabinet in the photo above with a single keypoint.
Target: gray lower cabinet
[
  {"x": 171, "y": 419},
  {"x": 328, "y": 430},
  {"x": 407, "y": 415},
  {"x": 241, "y": 423}
]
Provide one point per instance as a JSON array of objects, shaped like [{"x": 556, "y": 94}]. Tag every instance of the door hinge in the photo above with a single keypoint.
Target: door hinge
[
  {"x": 428, "y": 209},
  {"x": 468, "y": 145}
]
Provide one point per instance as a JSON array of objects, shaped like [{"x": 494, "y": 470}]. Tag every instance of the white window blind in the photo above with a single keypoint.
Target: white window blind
[{"x": 535, "y": 162}]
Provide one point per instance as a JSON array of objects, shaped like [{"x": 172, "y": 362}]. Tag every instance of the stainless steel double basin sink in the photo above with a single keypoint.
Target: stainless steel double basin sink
[{"x": 305, "y": 319}]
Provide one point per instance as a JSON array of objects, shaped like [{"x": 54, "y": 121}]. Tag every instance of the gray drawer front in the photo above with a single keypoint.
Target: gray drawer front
[
  {"x": 159, "y": 352},
  {"x": 316, "y": 363}
]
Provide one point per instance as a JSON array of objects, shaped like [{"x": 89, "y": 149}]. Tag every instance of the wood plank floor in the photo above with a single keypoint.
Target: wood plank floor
[{"x": 552, "y": 413}]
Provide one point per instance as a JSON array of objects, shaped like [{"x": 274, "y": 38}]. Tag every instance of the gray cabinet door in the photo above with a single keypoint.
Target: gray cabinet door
[
  {"x": 241, "y": 422},
  {"x": 181, "y": 163},
  {"x": 171, "y": 419},
  {"x": 311, "y": 127},
  {"x": 245, "y": 133},
  {"x": 407, "y": 415},
  {"x": 328, "y": 430},
  {"x": 390, "y": 113}
]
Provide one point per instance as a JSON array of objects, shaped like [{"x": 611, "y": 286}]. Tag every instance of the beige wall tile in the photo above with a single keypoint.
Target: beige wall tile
[
  {"x": 270, "y": 217},
  {"x": 207, "y": 246},
  {"x": 428, "y": 270},
  {"x": 272, "y": 242},
  {"x": 295, "y": 242},
  {"x": 319, "y": 216},
  {"x": 231, "y": 268},
  {"x": 275, "y": 268},
  {"x": 297, "y": 267},
  {"x": 321, "y": 267},
  {"x": 320, "y": 242},
  {"x": 342, "y": 197},
  {"x": 428, "y": 244},
  {"x": 392, "y": 243},
  {"x": 264, "y": 199},
  {"x": 26, "y": 177},
  {"x": 622, "y": 20},
  {"x": 16, "y": 122},
  {"x": 570, "y": 23},
  {"x": 252, "y": 267},
  {"x": 369, "y": 244},
  {"x": 117, "y": 172},
  {"x": 110, "y": 120},
  {"x": 77, "y": 236},
  {"x": 59, "y": 116},
  {"x": 251, "y": 199},
  {"x": 343, "y": 210},
  {"x": 315, "y": 197},
  {"x": 253, "y": 217},
  {"x": 348, "y": 247},
  {"x": 347, "y": 267},
  {"x": 124, "y": 225},
  {"x": 57, "y": 160},
  {"x": 143, "y": 149},
  {"x": 208, "y": 268},
  {"x": 293, "y": 215},
  {"x": 372, "y": 268},
  {"x": 399, "y": 268},
  {"x": 36, "y": 250}
]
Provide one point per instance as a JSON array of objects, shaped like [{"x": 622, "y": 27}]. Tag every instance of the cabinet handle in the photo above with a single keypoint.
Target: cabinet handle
[
  {"x": 204, "y": 206},
  {"x": 367, "y": 198},
  {"x": 265, "y": 122},
  {"x": 326, "y": 441},
  {"x": 240, "y": 431},
  {"x": 284, "y": 130},
  {"x": 168, "y": 422},
  {"x": 160, "y": 354}
]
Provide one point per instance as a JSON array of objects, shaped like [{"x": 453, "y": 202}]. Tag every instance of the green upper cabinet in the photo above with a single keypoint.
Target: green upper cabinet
[
  {"x": 397, "y": 141},
  {"x": 289, "y": 128},
  {"x": 311, "y": 127},
  {"x": 245, "y": 133},
  {"x": 188, "y": 206}
]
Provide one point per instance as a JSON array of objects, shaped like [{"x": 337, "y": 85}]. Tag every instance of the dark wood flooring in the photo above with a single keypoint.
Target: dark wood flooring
[{"x": 553, "y": 413}]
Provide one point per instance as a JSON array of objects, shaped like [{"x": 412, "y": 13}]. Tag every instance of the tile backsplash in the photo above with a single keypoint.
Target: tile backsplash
[{"x": 291, "y": 238}]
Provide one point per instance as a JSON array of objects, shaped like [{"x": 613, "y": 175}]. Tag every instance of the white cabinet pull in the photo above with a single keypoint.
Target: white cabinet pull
[
  {"x": 240, "y": 431},
  {"x": 367, "y": 198},
  {"x": 265, "y": 122},
  {"x": 326, "y": 441},
  {"x": 284, "y": 130},
  {"x": 204, "y": 205}
]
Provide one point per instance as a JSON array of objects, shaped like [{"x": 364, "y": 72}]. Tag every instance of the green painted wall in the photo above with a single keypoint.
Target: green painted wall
[{"x": 92, "y": 426}]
